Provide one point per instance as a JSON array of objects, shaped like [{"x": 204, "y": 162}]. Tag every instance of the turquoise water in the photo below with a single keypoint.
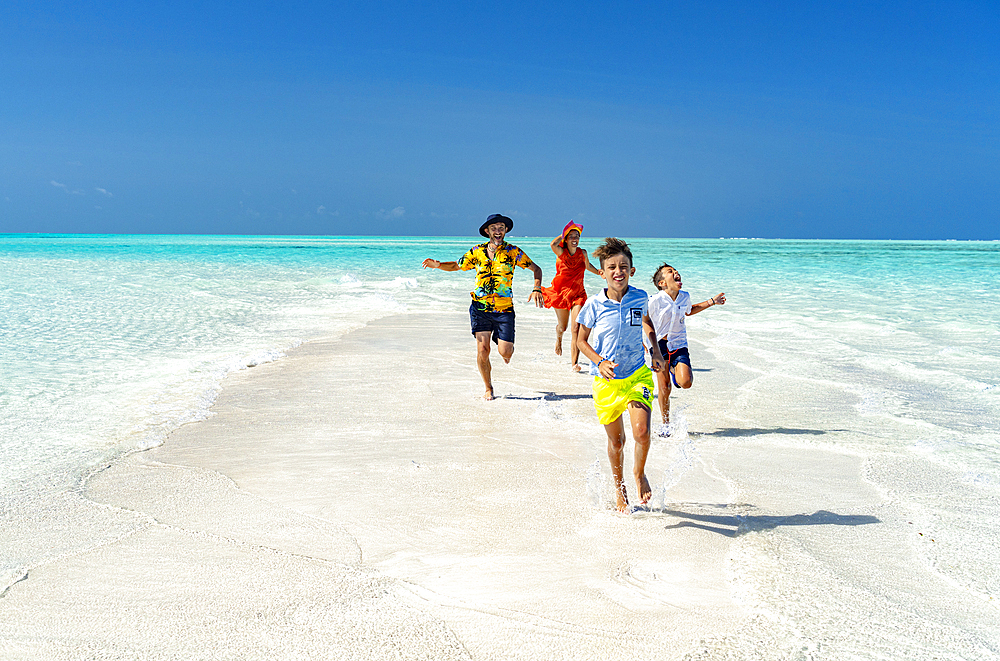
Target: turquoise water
[{"x": 111, "y": 342}]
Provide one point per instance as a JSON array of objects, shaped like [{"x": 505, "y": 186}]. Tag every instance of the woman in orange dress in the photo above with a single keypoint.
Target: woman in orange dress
[{"x": 567, "y": 293}]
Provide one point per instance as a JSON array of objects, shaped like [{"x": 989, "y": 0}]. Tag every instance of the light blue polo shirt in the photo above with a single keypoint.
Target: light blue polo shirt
[{"x": 616, "y": 329}]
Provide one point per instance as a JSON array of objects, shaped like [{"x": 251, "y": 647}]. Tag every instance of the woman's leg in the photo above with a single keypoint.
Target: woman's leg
[{"x": 562, "y": 322}]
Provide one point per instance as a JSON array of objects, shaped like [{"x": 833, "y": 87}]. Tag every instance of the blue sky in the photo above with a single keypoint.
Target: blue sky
[{"x": 756, "y": 119}]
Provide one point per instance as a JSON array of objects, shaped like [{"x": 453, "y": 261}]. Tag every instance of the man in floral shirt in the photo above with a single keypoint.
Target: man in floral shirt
[{"x": 492, "y": 309}]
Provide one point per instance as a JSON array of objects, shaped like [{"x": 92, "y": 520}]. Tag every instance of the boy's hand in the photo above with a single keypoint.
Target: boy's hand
[
  {"x": 607, "y": 369},
  {"x": 656, "y": 362},
  {"x": 431, "y": 263},
  {"x": 536, "y": 298},
  {"x": 719, "y": 300}
]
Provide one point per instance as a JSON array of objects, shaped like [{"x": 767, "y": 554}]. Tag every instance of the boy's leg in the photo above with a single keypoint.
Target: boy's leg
[
  {"x": 640, "y": 415},
  {"x": 483, "y": 361},
  {"x": 663, "y": 386},
  {"x": 616, "y": 455},
  {"x": 682, "y": 373},
  {"x": 574, "y": 351},
  {"x": 562, "y": 323}
]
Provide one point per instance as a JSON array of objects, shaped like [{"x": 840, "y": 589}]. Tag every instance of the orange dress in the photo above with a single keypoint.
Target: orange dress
[{"x": 567, "y": 287}]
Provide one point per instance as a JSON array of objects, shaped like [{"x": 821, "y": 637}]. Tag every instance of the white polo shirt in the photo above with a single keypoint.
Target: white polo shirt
[
  {"x": 616, "y": 329},
  {"x": 668, "y": 317}
]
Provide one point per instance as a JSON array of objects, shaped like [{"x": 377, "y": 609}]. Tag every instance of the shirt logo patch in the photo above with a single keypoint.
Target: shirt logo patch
[{"x": 635, "y": 317}]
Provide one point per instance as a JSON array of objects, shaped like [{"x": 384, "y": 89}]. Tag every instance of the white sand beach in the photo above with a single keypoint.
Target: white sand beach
[{"x": 357, "y": 500}]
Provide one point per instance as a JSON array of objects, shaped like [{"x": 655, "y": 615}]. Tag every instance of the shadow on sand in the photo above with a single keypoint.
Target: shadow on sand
[
  {"x": 548, "y": 397},
  {"x": 737, "y": 524},
  {"x": 760, "y": 431}
]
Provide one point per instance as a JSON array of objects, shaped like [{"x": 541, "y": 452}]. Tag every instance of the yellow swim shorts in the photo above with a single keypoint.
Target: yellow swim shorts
[{"x": 611, "y": 398}]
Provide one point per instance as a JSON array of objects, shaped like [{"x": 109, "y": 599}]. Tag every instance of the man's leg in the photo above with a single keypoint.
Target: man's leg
[
  {"x": 562, "y": 322},
  {"x": 640, "y": 415},
  {"x": 483, "y": 361},
  {"x": 506, "y": 350},
  {"x": 504, "y": 328},
  {"x": 616, "y": 455}
]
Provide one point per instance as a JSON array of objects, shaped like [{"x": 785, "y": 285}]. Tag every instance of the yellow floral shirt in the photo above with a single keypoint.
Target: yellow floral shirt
[{"x": 494, "y": 276}]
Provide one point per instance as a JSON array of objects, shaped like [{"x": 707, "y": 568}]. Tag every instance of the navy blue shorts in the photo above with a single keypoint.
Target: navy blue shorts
[
  {"x": 501, "y": 324},
  {"x": 677, "y": 356}
]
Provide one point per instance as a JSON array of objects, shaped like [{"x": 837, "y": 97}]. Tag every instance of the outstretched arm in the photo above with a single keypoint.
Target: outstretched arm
[
  {"x": 590, "y": 267},
  {"x": 444, "y": 266},
  {"x": 556, "y": 245},
  {"x": 604, "y": 365},
  {"x": 720, "y": 299},
  {"x": 536, "y": 290}
]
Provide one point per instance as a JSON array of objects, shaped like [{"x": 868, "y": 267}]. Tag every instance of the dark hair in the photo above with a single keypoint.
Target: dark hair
[
  {"x": 659, "y": 268},
  {"x": 612, "y": 247}
]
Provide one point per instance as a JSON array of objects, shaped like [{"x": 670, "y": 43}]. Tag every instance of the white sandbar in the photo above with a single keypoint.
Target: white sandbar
[{"x": 357, "y": 499}]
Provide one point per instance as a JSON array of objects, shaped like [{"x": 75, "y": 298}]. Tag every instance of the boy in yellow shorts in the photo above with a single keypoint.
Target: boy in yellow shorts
[{"x": 612, "y": 326}]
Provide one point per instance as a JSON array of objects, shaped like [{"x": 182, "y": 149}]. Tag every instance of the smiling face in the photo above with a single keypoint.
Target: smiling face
[
  {"x": 616, "y": 270},
  {"x": 572, "y": 239},
  {"x": 496, "y": 232}
]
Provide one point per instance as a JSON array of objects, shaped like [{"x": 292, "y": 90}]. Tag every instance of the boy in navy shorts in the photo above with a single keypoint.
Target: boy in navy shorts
[{"x": 667, "y": 309}]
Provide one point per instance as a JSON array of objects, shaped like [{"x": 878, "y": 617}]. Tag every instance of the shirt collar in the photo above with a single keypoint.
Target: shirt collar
[{"x": 602, "y": 296}]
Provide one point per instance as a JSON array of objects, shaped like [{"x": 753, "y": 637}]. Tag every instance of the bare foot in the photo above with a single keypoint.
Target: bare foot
[
  {"x": 622, "y": 504},
  {"x": 645, "y": 493},
  {"x": 576, "y": 368},
  {"x": 489, "y": 395}
]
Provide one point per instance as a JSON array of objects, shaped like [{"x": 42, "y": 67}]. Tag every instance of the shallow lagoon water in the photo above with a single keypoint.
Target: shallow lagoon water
[{"x": 114, "y": 342}]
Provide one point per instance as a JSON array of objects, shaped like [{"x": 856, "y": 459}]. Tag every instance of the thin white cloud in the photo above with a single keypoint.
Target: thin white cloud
[
  {"x": 103, "y": 192},
  {"x": 398, "y": 212},
  {"x": 320, "y": 209},
  {"x": 66, "y": 188}
]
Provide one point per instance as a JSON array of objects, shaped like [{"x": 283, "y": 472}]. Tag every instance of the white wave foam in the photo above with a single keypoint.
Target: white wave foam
[{"x": 399, "y": 283}]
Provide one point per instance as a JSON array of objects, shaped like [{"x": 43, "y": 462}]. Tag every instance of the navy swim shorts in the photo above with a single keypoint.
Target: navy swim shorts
[
  {"x": 677, "y": 356},
  {"x": 501, "y": 324}
]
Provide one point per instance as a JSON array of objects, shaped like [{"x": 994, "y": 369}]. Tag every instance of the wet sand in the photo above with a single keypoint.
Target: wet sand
[{"x": 357, "y": 499}]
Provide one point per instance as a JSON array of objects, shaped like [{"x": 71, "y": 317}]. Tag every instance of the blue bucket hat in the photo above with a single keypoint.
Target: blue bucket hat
[{"x": 496, "y": 218}]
